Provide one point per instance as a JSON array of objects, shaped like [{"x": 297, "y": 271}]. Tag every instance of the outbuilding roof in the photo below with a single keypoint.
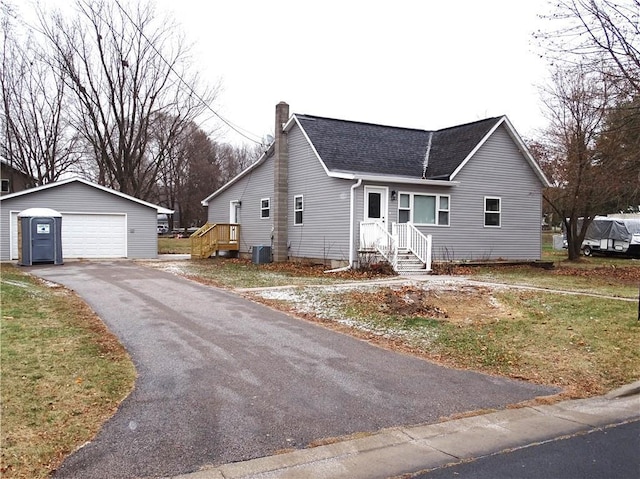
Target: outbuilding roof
[{"x": 160, "y": 209}]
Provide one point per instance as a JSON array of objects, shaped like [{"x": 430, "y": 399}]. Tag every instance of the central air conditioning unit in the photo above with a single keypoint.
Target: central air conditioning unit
[{"x": 261, "y": 254}]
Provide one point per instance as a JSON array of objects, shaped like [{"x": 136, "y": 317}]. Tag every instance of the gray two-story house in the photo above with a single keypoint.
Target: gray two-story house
[{"x": 339, "y": 192}]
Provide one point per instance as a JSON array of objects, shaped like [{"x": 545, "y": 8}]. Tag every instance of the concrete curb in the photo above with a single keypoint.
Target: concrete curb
[{"x": 405, "y": 450}]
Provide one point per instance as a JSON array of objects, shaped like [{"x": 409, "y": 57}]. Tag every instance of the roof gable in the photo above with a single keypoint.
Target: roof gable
[
  {"x": 364, "y": 148},
  {"x": 452, "y": 146},
  {"x": 347, "y": 146},
  {"x": 160, "y": 209}
]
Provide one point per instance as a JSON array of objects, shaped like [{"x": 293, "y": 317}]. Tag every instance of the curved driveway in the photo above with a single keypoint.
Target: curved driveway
[{"x": 222, "y": 379}]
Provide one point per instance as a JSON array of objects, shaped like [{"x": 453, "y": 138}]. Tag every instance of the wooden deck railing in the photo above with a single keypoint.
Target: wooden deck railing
[{"x": 214, "y": 237}]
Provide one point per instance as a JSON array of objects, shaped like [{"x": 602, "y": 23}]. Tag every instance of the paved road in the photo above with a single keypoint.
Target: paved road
[
  {"x": 609, "y": 452},
  {"x": 222, "y": 379}
]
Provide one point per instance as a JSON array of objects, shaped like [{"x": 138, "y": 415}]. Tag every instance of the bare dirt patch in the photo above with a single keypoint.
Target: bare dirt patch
[{"x": 459, "y": 304}]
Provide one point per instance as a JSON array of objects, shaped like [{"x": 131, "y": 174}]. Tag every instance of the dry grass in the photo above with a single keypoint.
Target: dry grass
[
  {"x": 611, "y": 277},
  {"x": 585, "y": 345},
  {"x": 242, "y": 273},
  {"x": 63, "y": 374},
  {"x": 171, "y": 245}
]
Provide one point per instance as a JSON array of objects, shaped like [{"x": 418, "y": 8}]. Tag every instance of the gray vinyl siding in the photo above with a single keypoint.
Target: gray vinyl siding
[
  {"x": 324, "y": 234},
  {"x": 74, "y": 197},
  {"x": 498, "y": 169},
  {"x": 253, "y": 187}
]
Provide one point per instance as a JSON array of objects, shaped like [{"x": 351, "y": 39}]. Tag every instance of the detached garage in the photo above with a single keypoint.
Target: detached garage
[{"x": 97, "y": 222}]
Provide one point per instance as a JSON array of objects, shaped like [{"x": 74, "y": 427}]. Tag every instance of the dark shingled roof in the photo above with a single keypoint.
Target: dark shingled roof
[{"x": 354, "y": 147}]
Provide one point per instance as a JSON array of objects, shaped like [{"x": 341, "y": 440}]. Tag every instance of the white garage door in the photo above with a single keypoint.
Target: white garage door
[
  {"x": 94, "y": 236},
  {"x": 86, "y": 235}
]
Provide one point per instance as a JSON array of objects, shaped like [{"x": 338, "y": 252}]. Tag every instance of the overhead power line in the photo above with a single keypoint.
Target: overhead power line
[{"x": 234, "y": 127}]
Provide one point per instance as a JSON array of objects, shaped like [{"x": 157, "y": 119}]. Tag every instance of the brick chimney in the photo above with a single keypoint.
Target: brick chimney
[{"x": 281, "y": 186}]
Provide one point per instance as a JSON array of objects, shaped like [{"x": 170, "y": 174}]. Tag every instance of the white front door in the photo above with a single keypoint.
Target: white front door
[
  {"x": 376, "y": 205},
  {"x": 374, "y": 224}
]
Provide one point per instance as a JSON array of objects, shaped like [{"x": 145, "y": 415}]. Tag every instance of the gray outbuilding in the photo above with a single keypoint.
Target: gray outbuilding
[{"x": 97, "y": 222}]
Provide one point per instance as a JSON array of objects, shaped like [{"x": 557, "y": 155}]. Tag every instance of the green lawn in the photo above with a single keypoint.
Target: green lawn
[{"x": 63, "y": 374}]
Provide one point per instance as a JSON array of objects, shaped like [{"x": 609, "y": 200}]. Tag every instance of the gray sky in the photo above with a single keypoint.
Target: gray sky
[{"x": 411, "y": 63}]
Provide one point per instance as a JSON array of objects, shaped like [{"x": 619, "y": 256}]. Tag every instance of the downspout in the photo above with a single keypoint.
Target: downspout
[{"x": 352, "y": 228}]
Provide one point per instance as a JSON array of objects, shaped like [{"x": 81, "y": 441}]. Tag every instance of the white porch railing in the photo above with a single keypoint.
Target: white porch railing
[
  {"x": 409, "y": 238},
  {"x": 375, "y": 237}
]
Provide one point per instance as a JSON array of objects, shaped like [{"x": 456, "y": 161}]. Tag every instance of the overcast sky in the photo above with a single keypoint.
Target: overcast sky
[
  {"x": 410, "y": 63},
  {"x": 420, "y": 64}
]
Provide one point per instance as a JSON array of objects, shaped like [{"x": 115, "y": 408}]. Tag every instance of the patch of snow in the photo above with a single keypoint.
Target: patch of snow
[{"x": 19, "y": 284}]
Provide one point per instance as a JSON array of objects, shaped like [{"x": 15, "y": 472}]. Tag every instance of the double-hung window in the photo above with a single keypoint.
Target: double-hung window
[
  {"x": 423, "y": 209},
  {"x": 492, "y": 211},
  {"x": 298, "y": 208},
  {"x": 265, "y": 207}
]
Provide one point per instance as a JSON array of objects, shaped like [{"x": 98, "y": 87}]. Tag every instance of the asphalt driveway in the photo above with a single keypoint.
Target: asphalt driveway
[{"x": 223, "y": 379}]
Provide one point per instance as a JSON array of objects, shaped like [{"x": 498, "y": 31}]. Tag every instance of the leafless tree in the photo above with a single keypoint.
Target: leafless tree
[
  {"x": 234, "y": 159},
  {"x": 618, "y": 149},
  {"x": 125, "y": 68},
  {"x": 191, "y": 173},
  {"x": 36, "y": 136},
  {"x": 592, "y": 145},
  {"x": 602, "y": 35},
  {"x": 576, "y": 105}
]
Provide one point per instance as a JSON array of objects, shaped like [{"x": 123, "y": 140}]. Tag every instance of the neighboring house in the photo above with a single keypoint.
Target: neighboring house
[
  {"x": 97, "y": 222},
  {"x": 12, "y": 179},
  {"x": 335, "y": 191}
]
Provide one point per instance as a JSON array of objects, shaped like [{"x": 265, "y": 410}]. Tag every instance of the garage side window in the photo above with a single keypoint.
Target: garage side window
[
  {"x": 265, "y": 208},
  {"x": 298, "y": 208},
  {"x": 492, "y": 211}
]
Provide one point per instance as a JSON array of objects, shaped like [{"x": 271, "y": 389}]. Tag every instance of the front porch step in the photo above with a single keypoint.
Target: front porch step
[
  {"x": 411, "y": 269},
  {"x": 407, "y": 262}
]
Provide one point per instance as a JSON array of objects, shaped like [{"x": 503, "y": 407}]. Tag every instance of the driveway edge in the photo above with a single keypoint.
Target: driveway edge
[{"x": 407, "y": 450}]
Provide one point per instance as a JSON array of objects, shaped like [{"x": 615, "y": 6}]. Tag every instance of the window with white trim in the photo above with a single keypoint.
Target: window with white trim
[
  {"x": 423, "y": 209},
  {"x": 492, "y": 211},
  {"x": 298, "y": 208},
  {"x": 265, "y": 208}
]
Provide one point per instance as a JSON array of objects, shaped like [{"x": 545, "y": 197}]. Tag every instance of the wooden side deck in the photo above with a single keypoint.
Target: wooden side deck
[{"x": 213, "y": 238}]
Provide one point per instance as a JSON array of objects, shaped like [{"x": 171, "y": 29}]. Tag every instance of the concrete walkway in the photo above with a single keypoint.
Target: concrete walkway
[{"x": 397, "y": 451}]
